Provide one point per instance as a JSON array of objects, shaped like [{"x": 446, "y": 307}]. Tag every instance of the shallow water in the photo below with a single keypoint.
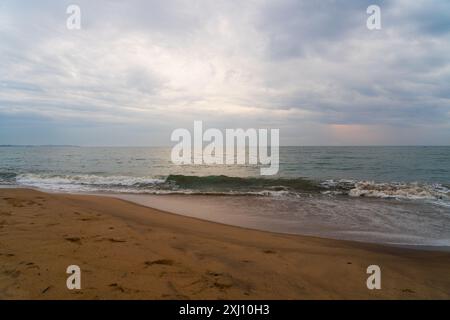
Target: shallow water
[
  {"x": 422, "y": 172},
  {"x": 368, "y": 220},
  {"x": 381, "y": 194}
]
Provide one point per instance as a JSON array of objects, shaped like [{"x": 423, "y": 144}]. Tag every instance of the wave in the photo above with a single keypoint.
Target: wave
[
  {"x": 242, "y": 183},
  {"x": 412, "y": 191},
  {"x": 94, "y": 180},
  {"x": 226, "y": 185},
  {"x": 87, "y": 182},
  {"x": 172, "y": 184},
  {"x": 7, "y": 178},
  {"x": 396, "y": 190}
]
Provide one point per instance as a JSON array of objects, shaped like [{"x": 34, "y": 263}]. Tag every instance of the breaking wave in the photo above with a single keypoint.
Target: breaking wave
[
  {"x": 393, "y": 190},
  {"x": 413, "y": 191},
  {"x": 87, "y": 182},
  {"x": 225, "y": 185},
  {"x": 172, "y": 184}
]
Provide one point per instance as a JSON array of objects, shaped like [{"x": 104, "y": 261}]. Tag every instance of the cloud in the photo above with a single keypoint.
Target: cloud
[{"x": 301, "y": 66}]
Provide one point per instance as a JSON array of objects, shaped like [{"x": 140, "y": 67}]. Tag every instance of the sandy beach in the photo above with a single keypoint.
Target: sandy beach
[{"x": 127, "y": 251}]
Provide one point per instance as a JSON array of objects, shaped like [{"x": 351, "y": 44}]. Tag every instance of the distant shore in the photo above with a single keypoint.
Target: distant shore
[{"x": 127, "y": 251}]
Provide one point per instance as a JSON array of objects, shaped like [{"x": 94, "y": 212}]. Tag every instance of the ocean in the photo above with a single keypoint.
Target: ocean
[{"x": 398, "y": 195}]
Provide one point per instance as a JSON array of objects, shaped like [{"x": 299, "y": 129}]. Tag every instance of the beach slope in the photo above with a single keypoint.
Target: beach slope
[{"x": 126, "y": 251}]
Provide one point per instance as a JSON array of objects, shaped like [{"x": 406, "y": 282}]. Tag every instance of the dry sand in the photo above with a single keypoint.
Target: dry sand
[{"x": 126, "y": 251}]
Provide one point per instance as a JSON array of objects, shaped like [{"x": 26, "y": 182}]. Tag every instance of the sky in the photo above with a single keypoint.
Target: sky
[{"x": 139, "y": 69}]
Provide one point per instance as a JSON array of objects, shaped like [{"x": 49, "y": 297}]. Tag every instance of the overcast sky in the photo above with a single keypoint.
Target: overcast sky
[{"x": 137, "y": 70}]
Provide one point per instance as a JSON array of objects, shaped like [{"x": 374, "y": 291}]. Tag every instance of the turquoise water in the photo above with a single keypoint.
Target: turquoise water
[{"x": 381, "y": 194}]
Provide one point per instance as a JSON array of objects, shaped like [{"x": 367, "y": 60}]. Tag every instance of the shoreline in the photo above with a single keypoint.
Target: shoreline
[
  {"x": 128, "y": 251},
  {"x": 188, "y": 211}
]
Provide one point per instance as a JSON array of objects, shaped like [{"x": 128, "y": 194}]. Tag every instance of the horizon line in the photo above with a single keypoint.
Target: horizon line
[{"x": 168, "y": 146}]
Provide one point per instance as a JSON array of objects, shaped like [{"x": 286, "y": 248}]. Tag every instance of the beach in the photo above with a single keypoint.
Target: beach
[{"x": 129, "y": 251}]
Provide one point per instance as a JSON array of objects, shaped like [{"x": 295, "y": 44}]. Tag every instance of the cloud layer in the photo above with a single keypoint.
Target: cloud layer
[{"x": 139, "y": 69}]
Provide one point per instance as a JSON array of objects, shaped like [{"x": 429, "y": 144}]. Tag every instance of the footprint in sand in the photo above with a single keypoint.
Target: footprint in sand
[
  {"x": 116, "y": 240},
  {"x": 31, "y": 265},
  {"x": 12, "y": 273},
  {"x": 115, "y": 286},
  {"x": 73, "y": 239},
  {"x": 19, "y": 203},
  {"x": 221, "y": 280},
  {"x": 165, "y": 262},
  {"x": 408, "y": 291}
]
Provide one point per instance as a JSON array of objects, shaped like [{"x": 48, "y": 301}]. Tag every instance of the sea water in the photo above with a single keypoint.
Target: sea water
[{"x": 381, "y": 194}]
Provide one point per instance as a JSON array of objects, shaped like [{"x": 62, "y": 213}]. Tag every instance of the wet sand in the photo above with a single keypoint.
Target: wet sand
[
  {"x": 127, "y": 251},
  {"x": 382, "y": 221}
]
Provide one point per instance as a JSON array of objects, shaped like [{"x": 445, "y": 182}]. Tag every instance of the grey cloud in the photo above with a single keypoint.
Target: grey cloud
[
  {"x": 426, "y": 18},
  {"x": 255, "y": 63},
  {"x": 297, "y": 28}
]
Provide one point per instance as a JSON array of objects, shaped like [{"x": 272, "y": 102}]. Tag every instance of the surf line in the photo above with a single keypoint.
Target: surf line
[{"x": 191, "y": 151}]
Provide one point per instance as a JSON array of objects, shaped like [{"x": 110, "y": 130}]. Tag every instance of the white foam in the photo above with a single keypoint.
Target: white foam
[
  {"x": 411, "y": 191},
  {"x": 83, "y": 182}
]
